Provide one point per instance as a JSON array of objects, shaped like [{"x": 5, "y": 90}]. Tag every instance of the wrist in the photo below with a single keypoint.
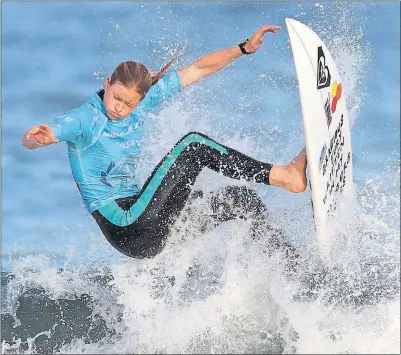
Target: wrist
[
  {"x": 244, "y": 46},
  {"x": 30, "y": 143},
  {"x": 38, "y": 144}
]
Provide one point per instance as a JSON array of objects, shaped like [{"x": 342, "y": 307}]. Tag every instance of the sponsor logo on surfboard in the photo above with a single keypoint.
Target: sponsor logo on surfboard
[
  {"x": 330, "y": 105},
  {"x": 322, "y": 155},
  {"x": 323, "y": 72},
  {"x": 327, "y": 110},
  {"x": 336, "y": 91}
]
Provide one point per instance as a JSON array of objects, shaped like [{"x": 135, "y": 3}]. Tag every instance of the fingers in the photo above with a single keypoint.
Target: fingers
[
  {"x": 43, "y": 128},
  {"x": 270, "y": 28},
  {"x": 48, "y": 131},
  {"x": 32, "y": 131},
  {"x": 257, "y": 38},
  {"x": 42, "y": 134},
  {"x": 45, "y": 140}
]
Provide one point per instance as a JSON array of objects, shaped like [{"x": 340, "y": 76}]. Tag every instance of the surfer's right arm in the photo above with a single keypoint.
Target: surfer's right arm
[
  {"x": 39, "y": 136},
  {"x": 75, "y": 127}
]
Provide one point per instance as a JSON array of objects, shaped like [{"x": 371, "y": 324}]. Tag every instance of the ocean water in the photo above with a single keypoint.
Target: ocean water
[{"x": 66, "y": 290}]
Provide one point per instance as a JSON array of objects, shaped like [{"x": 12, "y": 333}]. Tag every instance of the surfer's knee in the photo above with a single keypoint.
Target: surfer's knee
[
  {"x": 194, "y": 136},
  {"x": 195, "y": 143},
  {"x": 145, "y": 251},
  {"x": 140, "y": 246}
]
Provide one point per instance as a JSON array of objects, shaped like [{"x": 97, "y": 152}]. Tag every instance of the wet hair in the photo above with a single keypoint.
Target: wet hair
[{"x": 136, "y": 75}]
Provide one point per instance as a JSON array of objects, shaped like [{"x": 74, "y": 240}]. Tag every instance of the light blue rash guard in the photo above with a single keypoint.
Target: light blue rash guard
[{"x": 103, "y": 153}]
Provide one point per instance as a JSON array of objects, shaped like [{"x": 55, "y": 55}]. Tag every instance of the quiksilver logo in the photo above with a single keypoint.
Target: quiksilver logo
[{"x": 323, "y": 71}]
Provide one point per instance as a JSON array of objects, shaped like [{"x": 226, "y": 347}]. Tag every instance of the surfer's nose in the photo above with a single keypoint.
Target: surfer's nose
[{"x": 118, "y": 107}]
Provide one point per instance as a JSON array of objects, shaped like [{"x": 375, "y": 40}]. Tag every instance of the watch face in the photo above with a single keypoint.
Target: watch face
[{"x": 243, "y": 41}]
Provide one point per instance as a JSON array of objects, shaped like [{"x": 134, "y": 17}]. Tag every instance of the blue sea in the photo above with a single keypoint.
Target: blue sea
[{"x": 66, "y": 290}]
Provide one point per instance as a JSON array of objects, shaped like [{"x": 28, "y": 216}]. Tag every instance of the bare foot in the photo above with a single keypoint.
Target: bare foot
[
  {"x": 291, "y": 177},
  {"x": 297, "y": 170}
]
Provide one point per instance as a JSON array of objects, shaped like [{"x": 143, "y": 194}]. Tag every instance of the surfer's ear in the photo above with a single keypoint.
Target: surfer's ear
[{"x": 107, "y": 84}]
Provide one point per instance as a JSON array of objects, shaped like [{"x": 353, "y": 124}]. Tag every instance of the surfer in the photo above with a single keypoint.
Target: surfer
[{"x": 104, "y": 137}]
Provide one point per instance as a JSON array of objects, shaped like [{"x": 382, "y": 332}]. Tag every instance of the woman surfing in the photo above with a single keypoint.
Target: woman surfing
[{"x": 104, "y": 137}]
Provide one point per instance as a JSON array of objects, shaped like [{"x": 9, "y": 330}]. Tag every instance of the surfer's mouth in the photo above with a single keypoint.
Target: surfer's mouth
[{"x": 115, "y": 114}]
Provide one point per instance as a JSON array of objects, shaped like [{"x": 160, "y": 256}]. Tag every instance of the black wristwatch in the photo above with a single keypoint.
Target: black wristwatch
[{"x": 241, "y": 46}]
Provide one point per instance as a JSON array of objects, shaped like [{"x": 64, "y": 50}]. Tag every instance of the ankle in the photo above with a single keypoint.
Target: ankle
[
  {"x": 298, "y": 184},
  {"x": 296, "y": 179}
]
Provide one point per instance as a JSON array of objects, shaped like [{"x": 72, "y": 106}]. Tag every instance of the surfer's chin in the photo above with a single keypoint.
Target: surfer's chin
[{"x": 114, "y": 116}]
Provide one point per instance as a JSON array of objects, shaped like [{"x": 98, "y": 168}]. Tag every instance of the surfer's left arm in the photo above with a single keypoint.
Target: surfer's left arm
[{"x": 215, "y": 61}]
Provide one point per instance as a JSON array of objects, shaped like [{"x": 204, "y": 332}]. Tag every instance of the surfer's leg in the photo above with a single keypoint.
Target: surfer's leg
[
  {"x": 227, "y": 203},
  {"x": 233, "y": 202},
  {"x": 242, "y": 202},
  {"x": 237, "y": 165},
  {"x": 138, "y": 226},
  {"x": 139, "y": 229}
]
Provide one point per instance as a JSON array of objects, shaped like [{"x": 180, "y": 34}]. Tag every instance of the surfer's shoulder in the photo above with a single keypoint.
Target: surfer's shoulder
[{"x": 90, "y": 110}]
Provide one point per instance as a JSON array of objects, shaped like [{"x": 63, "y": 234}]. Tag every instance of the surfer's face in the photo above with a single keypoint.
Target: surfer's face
[{"x": 120, "y": 100}]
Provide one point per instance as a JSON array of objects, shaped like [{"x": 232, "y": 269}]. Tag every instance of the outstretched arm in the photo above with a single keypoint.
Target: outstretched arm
[
  {"x": 39, "y": 136},
  {"x": 213, "y": 62},
  {"x": 64, "y": 128}
]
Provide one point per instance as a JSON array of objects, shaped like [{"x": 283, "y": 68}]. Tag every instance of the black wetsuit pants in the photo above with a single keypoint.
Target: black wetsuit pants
[{"x": 168, "y": 188}]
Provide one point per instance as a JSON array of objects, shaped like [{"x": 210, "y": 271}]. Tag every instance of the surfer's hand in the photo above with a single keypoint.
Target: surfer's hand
[
  {"x": 257, "y": 38},
  {"x": 40, "y": 135}
]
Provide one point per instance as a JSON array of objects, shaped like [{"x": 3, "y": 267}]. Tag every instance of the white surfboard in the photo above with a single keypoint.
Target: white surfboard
[{"x": 326, "y": 125}]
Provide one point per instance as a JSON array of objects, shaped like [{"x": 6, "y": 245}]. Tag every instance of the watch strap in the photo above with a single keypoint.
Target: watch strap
[{"x": 242, "y": 44}]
